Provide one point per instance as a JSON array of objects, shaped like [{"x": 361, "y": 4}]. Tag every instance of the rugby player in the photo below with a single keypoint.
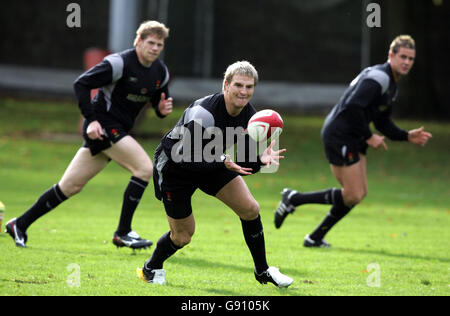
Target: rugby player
[
  {"x": 346, "y": 136},
  {"x": 127, "y": 81},
  {"x": 184, "y": 164}
]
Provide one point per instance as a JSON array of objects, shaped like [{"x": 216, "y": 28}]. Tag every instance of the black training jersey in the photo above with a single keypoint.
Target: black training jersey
[
  {"x": 206, "y": 131},
  {"x": 369, "y": 98},
  {"x": 125, "y": 86}
]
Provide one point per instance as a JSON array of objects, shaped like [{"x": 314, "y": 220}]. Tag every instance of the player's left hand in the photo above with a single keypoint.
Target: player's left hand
[
  {"x": 271, "y": 156},
  {"x": 165, "y": 106},
  {"x": 419, "y": 136}
]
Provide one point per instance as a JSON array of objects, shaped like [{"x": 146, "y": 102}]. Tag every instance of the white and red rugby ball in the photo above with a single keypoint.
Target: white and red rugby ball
[{"x": 265, "y": 124}]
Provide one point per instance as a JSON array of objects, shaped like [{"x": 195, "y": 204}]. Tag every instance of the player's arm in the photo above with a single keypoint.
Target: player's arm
[
  {"x": 386, "y": 126},
  {"x": 366, "y": 94},
  {"x": 359, "y": 104},
  {"x": 96, "y": 77},
  {"x": 247, "y": 154},
  {"x": 416, "y": 136}
]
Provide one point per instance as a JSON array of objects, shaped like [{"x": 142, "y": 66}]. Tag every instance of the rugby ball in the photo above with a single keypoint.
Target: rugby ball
[{"x": 265, "y": 124}]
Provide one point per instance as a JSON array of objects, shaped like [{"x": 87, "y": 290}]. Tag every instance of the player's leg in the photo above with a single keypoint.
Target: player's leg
[
  {"x": 291, "y": 199},
  {"x": 338, "y": 155},
  {"x": 129, "y": 154},
  {"x": 354, "y": 188},
  {"x": 238, "y": 197},
  {"x": 182, "y": 227},
  {"x": 82, "y": 168},
  {"x": 353, "y": 180}
]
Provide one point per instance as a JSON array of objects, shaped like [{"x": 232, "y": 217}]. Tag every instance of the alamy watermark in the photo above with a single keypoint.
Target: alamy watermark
[
  {"x": 374, "y": 278},
  {"x": 207, "y": 145},
  {"x": 74, "y": 278},
  {"x": 74, "y": 18},
  {"x": 374, "y": 18}
]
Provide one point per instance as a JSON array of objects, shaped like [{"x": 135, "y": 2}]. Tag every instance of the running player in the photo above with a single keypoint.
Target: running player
[
  {"x": 346, "y": 136},
  {"x": 186, "y": 162},
  {"x": 127, "y": 81}
]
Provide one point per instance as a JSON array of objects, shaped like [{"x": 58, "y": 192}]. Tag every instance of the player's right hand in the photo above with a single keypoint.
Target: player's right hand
[
  {"x": 95, "y": 130},
  {"x": 376, "y": 141},
  {"x": 230, "y": 165}
]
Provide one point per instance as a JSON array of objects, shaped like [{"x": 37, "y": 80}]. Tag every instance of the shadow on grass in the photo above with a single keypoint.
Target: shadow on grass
[
  {"x": 93, "y": 252},
  {"x": 390, "y": 254},
  {"x": 205, "y": 265}
]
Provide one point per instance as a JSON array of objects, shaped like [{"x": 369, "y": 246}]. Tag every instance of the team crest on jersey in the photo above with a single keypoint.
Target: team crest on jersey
[
  {"x": 169, "y": 196},
  {"x": 158, "y": 83},
  {"x": 144, "y": 91}
]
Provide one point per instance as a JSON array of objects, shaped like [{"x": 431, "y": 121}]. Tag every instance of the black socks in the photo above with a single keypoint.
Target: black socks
[
  {"x": 253, "y": 234},
  {"x": 318, "y": 197},
  {"x": 337, "y": 212},
  {"x": 131, "y": 199},
  {"x": 164, "y": 249},
  {"x": 54, "y": 196},
  {"x": 46, "y": 202},
  {"x": 254, "y": 237}
]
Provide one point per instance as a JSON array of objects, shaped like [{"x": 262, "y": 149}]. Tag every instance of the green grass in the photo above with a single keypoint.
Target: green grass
[{"x": 402, "y": 225}]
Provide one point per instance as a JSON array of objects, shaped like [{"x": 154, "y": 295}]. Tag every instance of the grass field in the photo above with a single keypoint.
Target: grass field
[{"x": 395, "y": 243}]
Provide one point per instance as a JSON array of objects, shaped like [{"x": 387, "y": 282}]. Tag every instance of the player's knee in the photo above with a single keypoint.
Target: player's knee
[
  {"x": 355, "y": 197},
  {"x": 182, "y": 239},
  {"x": 251, "y": 212},
  {"x": 144, "y": 172},
  {"x": 70, "y": 189}
]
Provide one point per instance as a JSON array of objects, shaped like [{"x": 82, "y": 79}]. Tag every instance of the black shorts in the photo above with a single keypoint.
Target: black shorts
[
  {"x": 344, "y": 154},
  {"x": 175, "y": 185},
  {"x": 114, "y": 131}
]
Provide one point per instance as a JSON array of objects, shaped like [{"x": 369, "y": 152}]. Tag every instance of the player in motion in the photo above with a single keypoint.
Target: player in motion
[
  {"x": 346, "y": 136},
  {"x": 127, "y": 81},
  {"x": 183, "y": 167}
]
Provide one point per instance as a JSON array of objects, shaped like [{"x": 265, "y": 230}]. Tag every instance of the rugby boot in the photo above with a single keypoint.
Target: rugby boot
[
  {"x": 310, "y": 243},
  {"x": 273, "y": 275},
  {"x": 131, "y": 240},
  {"x": 20, "y": 237},
  {"x": 285, "y": 207}
]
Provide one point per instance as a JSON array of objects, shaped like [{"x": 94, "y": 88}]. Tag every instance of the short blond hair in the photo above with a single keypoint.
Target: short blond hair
[
  {"x": 151, "y": 28},
  {"x": 405, "y": 41},
  {"x": 242, "y": 68}
]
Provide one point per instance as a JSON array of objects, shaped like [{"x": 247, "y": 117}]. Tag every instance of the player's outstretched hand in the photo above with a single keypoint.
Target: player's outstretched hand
[
  {"x": 95, "y": 130},
  {"x": 235, "y": 167},
  {"x": 419, "y": 136},
  {"x": 377, "y": 141},
  {"x": 165, "y": 106},
  {"x": 271, "y": 156}
]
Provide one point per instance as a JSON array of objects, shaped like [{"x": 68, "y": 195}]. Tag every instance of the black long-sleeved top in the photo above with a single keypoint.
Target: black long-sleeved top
[
  {"x": 369, "y": 98},
  {"x": 206, "y": 131},
  {"x": 125, "y": 86}
]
